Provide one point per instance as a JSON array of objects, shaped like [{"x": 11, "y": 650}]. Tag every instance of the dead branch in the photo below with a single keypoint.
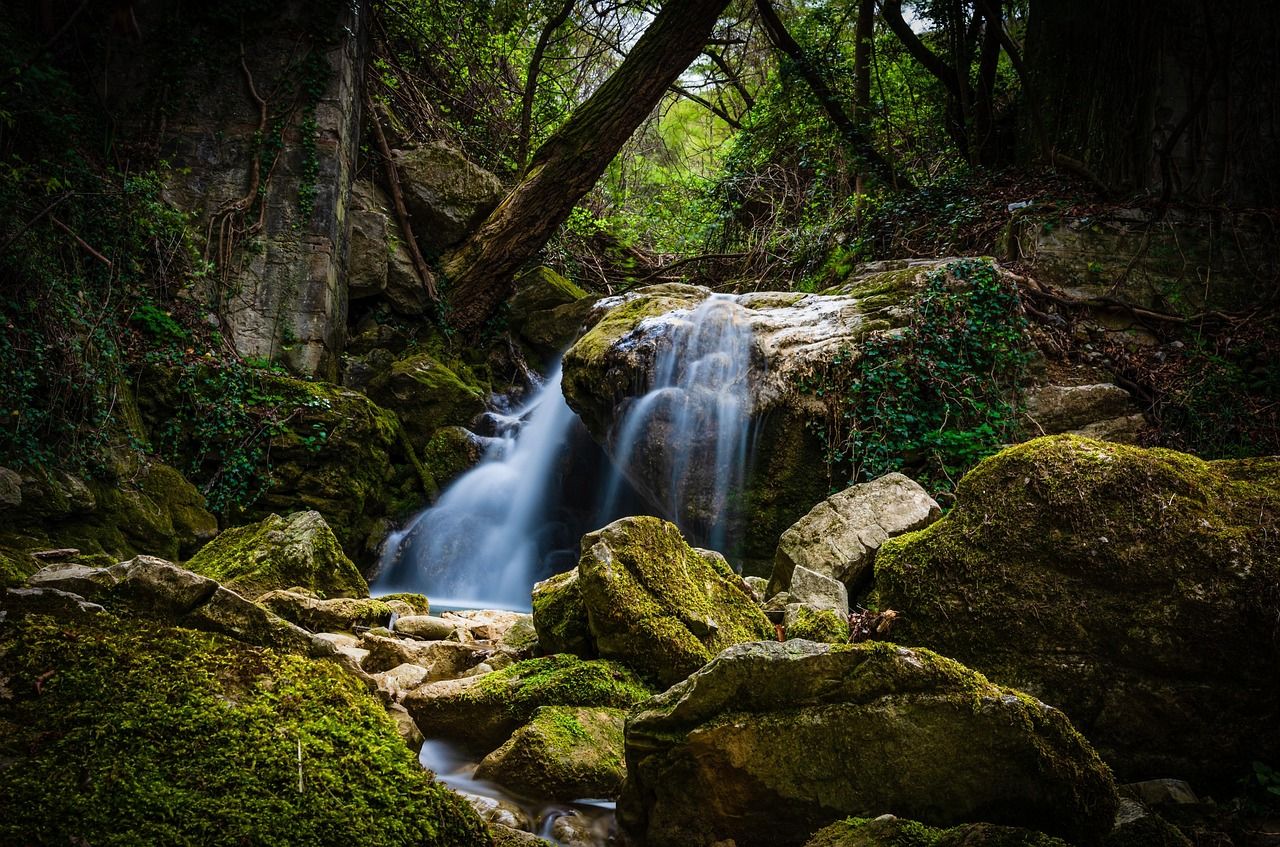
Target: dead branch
[{"x": 397, "y": 198}]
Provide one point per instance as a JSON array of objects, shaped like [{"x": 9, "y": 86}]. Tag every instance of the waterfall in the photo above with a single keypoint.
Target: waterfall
[
  {"x": 684, "y": 443},
  {"x": 487, "y": 539}
]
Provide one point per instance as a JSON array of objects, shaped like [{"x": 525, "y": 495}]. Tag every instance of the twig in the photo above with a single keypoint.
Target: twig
[
  {"x": 88, "y": 248},
  {"x": 397, "y": 198}
]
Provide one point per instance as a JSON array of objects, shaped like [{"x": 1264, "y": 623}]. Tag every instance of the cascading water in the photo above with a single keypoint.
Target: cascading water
[
  {"x": 684, "y": 443},
  {"x": 483, "y": 544}
]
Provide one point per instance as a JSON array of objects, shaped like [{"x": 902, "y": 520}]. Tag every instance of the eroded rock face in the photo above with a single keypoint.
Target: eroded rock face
[
  {"x": 771, "y": 741},
  {"x": 447, "y": 195},
  {"x": 277, "y": 553},
  {"x": 658, "y": 605},
  {"x": 839, "y": 537},
  {"x": 1134, "y": 589}
]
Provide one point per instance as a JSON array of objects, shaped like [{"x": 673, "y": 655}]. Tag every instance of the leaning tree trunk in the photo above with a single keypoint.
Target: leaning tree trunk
[{"x": 480, "y": 273}]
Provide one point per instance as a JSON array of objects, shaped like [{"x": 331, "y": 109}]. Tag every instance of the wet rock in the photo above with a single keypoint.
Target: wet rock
[
  {"x": 1161, "y": 792},
  {"x": 451, "y": 452},
  {"x": 771, "y": 741},
  {"x": 564, "y": 753},
  {"x": 505, "y": 836},
  {"x": 338, "y": 614},
  {"x": 658, "y": 605},
  {"x": 427, "y": 394},
  {"x": 839, "y": 537},
  {"x": 228, "y": 613},
  {"x": 482, "y": 712},
  {"x": 447, "y": 195},
  {"x": 1134, "y": 589},
  {"x": 486, "y": 624},
  {"x": 442, "y": 659},
  {"x": 575, "y": 830},
  {"x": 401, "y": 679},
  {"x": 408, "y": 730},
  {"x": 499, "y": 812},
  {"x": 162, "y": 589},
  {"x": 280, "y": 553}
]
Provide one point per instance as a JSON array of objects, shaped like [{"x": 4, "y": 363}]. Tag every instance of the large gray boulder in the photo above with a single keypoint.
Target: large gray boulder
[
  {"x": 839, "y": 537},
  {"x": 447, "y": 195},
  {"x": 771, "y": 741}
]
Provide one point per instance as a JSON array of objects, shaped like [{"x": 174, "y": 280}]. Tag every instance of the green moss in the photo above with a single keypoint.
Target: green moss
[
  {"x": 622, "y": 318},
  {"x": 147, "y": 734},
  {"x": 559, "y": 680},
  {"x": 1155, "y": 572},
  {"x": 417, "y": 602},
  {"x": 450, "y": 452},
  {"x": 15, "y": 566},
  {"x": 818, "y": 625},
  {"x": 1147, "y": 831},
  {"x": 659, "y": 605},
  {"x": 564, "y": 752},
  {"x": 559, "y": 616},
  {"x": 281, "y": 553}
]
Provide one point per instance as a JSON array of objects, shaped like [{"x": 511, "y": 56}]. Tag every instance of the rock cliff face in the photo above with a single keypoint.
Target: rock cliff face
[{"x": 263, "y": 152}]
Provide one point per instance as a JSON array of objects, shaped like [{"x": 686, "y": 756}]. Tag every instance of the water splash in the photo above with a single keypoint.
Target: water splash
[
  {"x": 684, "y": 443},
  {"x": 488, "y": 538}
]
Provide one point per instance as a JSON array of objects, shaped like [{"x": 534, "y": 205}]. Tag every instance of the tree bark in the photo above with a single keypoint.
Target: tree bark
[{"x": 480, "y": 273}]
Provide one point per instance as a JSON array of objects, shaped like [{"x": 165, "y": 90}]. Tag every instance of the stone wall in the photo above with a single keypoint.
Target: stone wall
[{"x": 278, "y": 288}]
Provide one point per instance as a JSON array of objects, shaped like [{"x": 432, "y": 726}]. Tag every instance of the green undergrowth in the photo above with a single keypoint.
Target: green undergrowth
[
  {"x": 124, "y": 732},
  {"x": 934, "y": 397}
]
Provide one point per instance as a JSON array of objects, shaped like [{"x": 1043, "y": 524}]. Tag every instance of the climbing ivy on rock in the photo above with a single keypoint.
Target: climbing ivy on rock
[{"x": 935, "y": 396}]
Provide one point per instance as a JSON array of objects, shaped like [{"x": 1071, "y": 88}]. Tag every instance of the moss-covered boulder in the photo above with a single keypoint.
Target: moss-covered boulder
[
  {"x": 340, "y": 614},
  {"x": 547, "y": 311},
  {"x": 339, "y": 454},
  {"x": 658, "y": 605},
  {"x": 771, "y": 741},
  {"x": 146, "y": 734},
  {"x": 139, "y": 505},
  {"x": 481, "y": 712},
  {"x": 446, "y": 193},
  {"x": 278, "y": 553},
  {"x": 427, "y": 394},
  {"x": 560, "y": 617},
  {"x": 564, "y": 752},
  {"x": 450, "y": 452},
  {"x": 889, "y": 831},
  {"x": 1137, "y": 590},
  {"x": 810, "y": 624}
]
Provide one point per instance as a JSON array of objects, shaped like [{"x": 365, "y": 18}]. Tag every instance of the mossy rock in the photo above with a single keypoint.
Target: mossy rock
[
  {"x": 564, "y": 752},
  {"x": 340, "y": 455},
  {"x": 15, "y": 566},
  {"x": 427, "y": 394},
  {"x": 559, "y": 616},
  {"x": 1137, "y": 590},
  {"x": 812, "y": 624},
  {"x": 482, "y": 712},
  {"x": 888, "y": 831},
  {"x": 147, "y": 734},
  {"x": 658, "y": 605},
  {"x": 340, "y": 614},
  {"x": 279, "y": 553},
  {"x": 451, "y": 452},
  {"x": 771, "y": 741},
  {"x": 541, "y": 289},
  {"x": 140, "y": 506}
]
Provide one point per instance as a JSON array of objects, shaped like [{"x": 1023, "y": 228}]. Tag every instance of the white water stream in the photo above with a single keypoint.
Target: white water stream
[{"x": 482, "y": 544}]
